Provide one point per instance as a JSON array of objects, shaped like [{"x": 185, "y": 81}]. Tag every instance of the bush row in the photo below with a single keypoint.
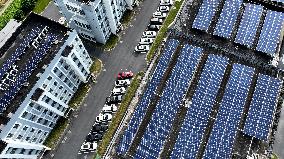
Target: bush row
[
  {"x": 119, "y": 114},
  {"x": 17, "y": 10}
]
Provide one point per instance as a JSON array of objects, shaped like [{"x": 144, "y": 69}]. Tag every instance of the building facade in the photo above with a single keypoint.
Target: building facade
[
  {"x": 94, "y": 20},
  {"x": 45, "y": 65}
]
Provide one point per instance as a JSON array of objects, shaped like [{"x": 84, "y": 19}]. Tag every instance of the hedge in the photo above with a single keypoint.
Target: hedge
[
  {"x": 170, "y": 18},
  {"x": 119, "y": 115}
]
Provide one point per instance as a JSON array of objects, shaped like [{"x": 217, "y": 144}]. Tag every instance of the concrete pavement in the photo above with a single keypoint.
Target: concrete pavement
[
  {"x": 51, "y": 12},
  {"x": 121, "y": 58},
  {"x": 278, "y": 147}
]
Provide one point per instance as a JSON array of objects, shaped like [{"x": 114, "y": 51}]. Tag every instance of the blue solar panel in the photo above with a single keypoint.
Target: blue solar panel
[
  {"x": 147, "y": 96},
  {"x": 271, "y": 32},
  {"x": 262, "y": 108},
  {"x": 222, "y": 137},
  {"x": 166, "y": 109},
  {"x": 19, "y": 51},
  {"x": 30, "y": 66},
  {"x": 228, "y": 18},
  {"x": 196, "y": 119},
  {"x": 249, "y": 24},
  {"x": 205, "y": 14}
]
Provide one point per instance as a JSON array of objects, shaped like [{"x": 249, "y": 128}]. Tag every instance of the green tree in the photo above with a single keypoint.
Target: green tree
[
  {"x": 27, "y": 5},
  {"x": 19, "y": 15}
]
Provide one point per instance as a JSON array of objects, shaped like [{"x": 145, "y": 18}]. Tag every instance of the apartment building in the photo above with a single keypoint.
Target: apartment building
[
  {"x": 94, "y": 20},
  {"x": 44, "y": 63}
]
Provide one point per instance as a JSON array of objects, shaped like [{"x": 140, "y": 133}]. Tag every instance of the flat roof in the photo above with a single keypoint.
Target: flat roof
[{"x": 24, "y": 57}]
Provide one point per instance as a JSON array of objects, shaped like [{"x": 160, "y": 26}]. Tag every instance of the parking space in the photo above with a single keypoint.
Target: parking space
[
  {"x": 156, "y": 22},
  {"x": 109, "y": 109}
]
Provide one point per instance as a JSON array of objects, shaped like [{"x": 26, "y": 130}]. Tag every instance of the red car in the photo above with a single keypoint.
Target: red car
[{"x": 124, "y": 75}]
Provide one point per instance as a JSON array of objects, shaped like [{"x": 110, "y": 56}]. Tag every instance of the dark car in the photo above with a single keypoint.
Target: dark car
[
  {"x": 114, "y": 99},
  {"x": 124, "y": 75},
  {"x": 94, "y": 137},
  {"x": 99, "y": 128}
]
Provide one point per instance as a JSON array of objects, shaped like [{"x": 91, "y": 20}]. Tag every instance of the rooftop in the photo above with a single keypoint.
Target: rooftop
[{"x": 24, "y": 57}]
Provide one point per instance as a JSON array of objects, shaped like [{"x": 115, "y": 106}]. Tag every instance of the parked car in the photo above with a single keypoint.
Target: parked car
[
  {"x": 149, "y": 34},
  {"x": 106, "y": 117},
  {"x": 94, "y": 137},
  {"x": 125, "y": 75},
  {"x": 154, "y": 27},
  {"x": 122, "y": 83},
  {"x": 166, "y": 3},
  {"x": 111, "y": 108},
  {"x": 114, "y": 99},
  {"x": 99, "y": 128},
  {"x": 156, "y": 21},
  {"x": 158, "y": 14},
  {"x": 145, "y": 41},
  {"x": 142, "y": 49},
  {"x": 164, "y": 9},
  {"x": 89, "y": 146},
  {"x": 118, "y": 91}
]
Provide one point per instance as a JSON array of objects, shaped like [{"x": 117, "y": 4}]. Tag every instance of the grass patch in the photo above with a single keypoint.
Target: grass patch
[
  {"x": 126, "y": 18},
  {"x": 40, "y": 6},
  {"x": 161, "y": 35},
  {"x": 79, "y": 95},
  {"x": 119, "y": 114},
  {"x": 56, "y": 132},
  {"x": 111, "y": 42},
  {"x": 96, "y": 67},
  {"x": 274, "y": 156}
]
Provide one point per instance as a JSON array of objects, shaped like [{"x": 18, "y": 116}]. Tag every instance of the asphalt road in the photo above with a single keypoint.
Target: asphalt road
[{"x": 121, "y": 58}]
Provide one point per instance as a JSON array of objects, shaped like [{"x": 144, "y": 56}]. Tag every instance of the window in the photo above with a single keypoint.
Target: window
[
  {"x": 55, "y": 83},
  {"x": 25, "y": 128},
  {"x": 39, "y": 131},
  {"x": 13, "y": 150},
  {"x": 28, "y": 138},
  {"x": 55, "y": 70},
  {"x": 32, "y": 130},
  {"x": 16, "y": 126},
  {"x": 22, "y": 151},
  {"x": 49, "y": 78},
  {"x": 19, "y": 137},
  {"x": 24, "y": 114},
  {"x": 31, "y": 105},
  {"x": 10, "y": 135},
  {"x": 34, "y": 139},
  {"x": 45, "y": 111},
  {"x": 38, "y": 108}
]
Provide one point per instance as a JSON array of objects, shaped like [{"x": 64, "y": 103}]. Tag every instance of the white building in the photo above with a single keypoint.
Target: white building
[
  {"x": 45, "y": 63},
  {"x": 94, "y": 20}
]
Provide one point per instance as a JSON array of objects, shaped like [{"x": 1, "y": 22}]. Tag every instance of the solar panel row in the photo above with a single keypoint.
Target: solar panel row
[
  {"x": 205, "y": 14},
  {"x": 249, "y": 23},
  {"x": 141, "y": 108},
  {"x": 224, "y": 131},
  {"x": 228, "y": 17},
  {"x": 166, "y": 109},
  {"x": 262, "y": 108},
  {"x": 194, "y": 125}
]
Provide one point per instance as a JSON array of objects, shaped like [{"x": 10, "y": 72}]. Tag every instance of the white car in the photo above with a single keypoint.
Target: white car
[
  {"x": 122, "y": 83},
  {"x": 154, "y": 27},
  {"x": 156, "y": 21},
  {"x": 146, "y": 41},
  {"x": 149, "y": 34},
  {"x": 158, "y": 14},
  {"x": 166, "y": 3},
  {"x": 117, "y": 91},
  {"x": 142, "y": 48},
  {"x": 88, "y": 146},
  {"x": 106, "y": 117},
  {"x": 110, "y": 108},
  {"x": 164, "y": 9}
]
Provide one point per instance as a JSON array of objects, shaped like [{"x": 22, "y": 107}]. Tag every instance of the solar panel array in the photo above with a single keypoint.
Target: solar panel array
[
  {"x": 270, "y": 33},
  {"x": 262, "y": 108},
  {"x": 194, "y": 125},
  {"x": 166, "y": 109},
  {"x": 224, "y": 131},
  {"x": 227, "y": 19},
  {"x": 249, "y": 23},
  {"x": 19, "y": 51},
  {"x": 140, "y": 111},
  {"x": 205, "y": 14},
  {"x": 30, "y": 66}
]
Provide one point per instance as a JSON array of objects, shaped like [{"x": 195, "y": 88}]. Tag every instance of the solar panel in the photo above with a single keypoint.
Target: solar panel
[
  {"x": 223, "y": 134},
  {"x": 195, "y": 122},
  {"x": 166, "y": 109},
  {"x": 205, "y": 14},
  {"x": 271, "y": 32},
  {"x": 141, "y": 108},
  {"x": 262, "y": 108},
  {"x": 227, "y": 19},
  {"x": 249, "y": 23}
]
